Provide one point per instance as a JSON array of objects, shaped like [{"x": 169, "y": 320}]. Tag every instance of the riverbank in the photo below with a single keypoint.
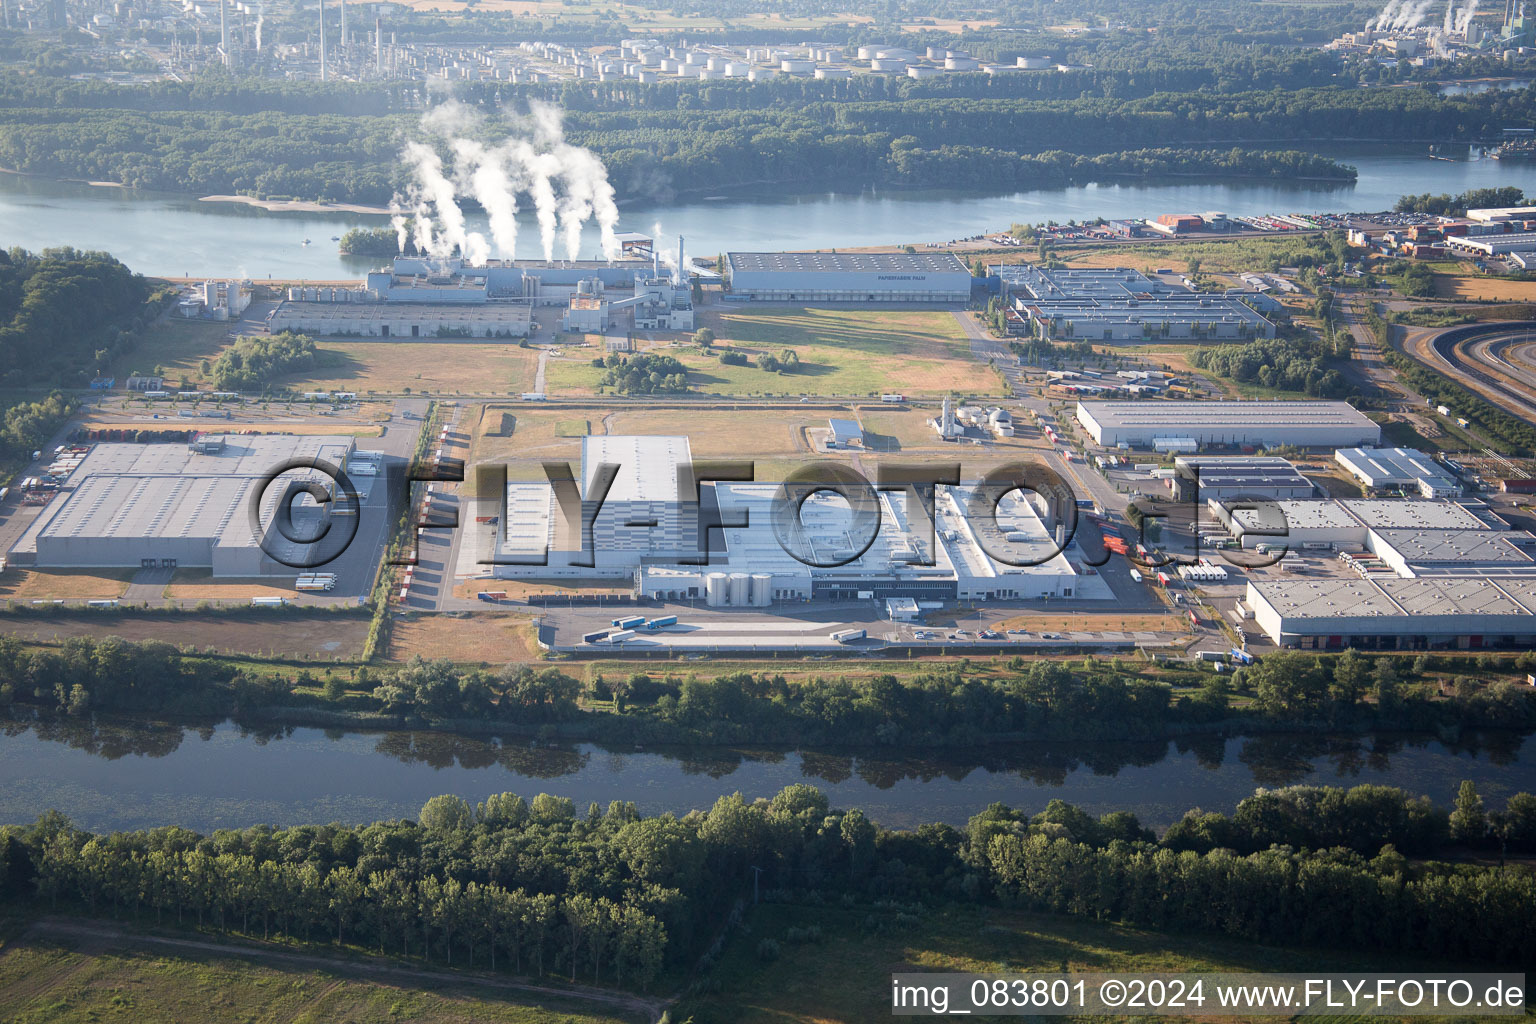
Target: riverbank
[{"x": 297, "y": 205}]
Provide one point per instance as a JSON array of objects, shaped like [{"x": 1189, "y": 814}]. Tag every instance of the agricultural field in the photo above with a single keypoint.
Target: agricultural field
[
  {"x": 796, "y": 987},
  {"x": 72, "y": 975},
  {"x": 451, "y": 367}
]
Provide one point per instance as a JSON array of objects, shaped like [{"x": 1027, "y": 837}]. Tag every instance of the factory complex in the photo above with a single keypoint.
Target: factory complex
[
  {"x": 847, "y": 277},
  {"x": 180, "y": 505},
  {"x": 1183, "y": 426},
  {"x": 647, "y": 530},
  {"x": 420, "y": 297},
  {"x": 1120, "y": 305}
]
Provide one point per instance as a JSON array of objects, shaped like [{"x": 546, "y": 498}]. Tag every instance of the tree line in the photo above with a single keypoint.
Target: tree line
[
  {"x": 615, "y": 897},
  {"x": 1006, "y": 141},
  {"x": 954, "y": 706}
]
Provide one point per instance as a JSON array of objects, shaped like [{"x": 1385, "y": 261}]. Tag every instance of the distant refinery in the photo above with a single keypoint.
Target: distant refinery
[{"x": 1423, "y": 29}]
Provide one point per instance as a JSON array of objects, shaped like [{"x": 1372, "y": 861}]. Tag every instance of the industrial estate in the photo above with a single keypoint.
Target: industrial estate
[{"x": 1153, "y": 474}]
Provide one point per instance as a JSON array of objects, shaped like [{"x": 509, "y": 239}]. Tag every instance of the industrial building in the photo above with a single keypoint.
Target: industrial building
[
  {"x": 402, "y": 319},
  {"x": 1120, "y": 305},
  {"x": 847, "y": 277},
  {"x": 1185, "y": 426},
  {"x": 647, "y": 531},
  {"x": 419, "y": 297},
  {"x": 1396, "y": 614},
  {"x": 1493, "y": 244},
  {"x": 1242, "y": 476},
  {"x": 1388, "y": 537},
  {"x": 174, "y": 505},
  {"x": 1398, "y": 469}
]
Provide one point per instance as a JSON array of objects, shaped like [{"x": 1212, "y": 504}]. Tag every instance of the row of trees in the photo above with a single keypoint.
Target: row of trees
[
  {"x": 612, "y": 896},
  {"x": 1445, "y": 205},
  {"x": 952, "y": 706}
]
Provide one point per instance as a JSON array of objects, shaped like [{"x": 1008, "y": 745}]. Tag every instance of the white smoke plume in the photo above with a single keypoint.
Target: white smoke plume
[{"x": 566, "y": 185}]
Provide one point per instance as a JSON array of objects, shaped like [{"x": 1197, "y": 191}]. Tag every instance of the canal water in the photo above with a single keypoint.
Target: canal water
[{"x": 115, "y": 776}]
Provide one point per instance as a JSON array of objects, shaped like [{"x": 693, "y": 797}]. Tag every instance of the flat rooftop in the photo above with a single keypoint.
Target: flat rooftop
[
  {"x": 1173, "y": 416},
  {"x": 1393, "y": 466},
  {"x": 647, "y": 465},
  {"x": 1460, "y": 548},
  {"x": 1299, "y": 515},
  {"x": 846, "y": 263},
  {"x": 1399, "y": 598},
  {"x": 1411, "y": 514}
]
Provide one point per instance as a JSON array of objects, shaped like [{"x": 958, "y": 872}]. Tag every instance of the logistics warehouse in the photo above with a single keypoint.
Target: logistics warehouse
[
  {"x": 1185, "y": 426},
  {"x": 847, "y": 277}
]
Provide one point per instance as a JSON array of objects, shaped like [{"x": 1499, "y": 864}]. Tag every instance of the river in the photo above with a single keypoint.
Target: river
[
  {"x": 176, "y": 235},
  {"x": 124, "y": 776}
]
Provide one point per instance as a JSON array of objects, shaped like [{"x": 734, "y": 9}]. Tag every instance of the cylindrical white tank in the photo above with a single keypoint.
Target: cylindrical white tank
[
  {"x": 716, "y": 63},
  {"x": 960, "y": 64},
  {"x": 866, "y": 52},
  {"x": 762, "y": 589},
  {"x": 716, "y": 589},
  {"x": 737, "y": 69},
  {"x": 741, "y": 589},
  {"x": 761, "y": 74},
  {"x": 797, "y": 67},
  {"x": 834, "y": 73},
  {"x": 890, "y": 64},
  {"x": 923, "y": 71}
]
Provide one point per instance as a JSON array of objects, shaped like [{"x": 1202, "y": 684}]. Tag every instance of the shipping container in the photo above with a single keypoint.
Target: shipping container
[
  {"x": 594, "y": 637},
  {"x": 629, "y": 621},
  {"x": 621, "y": 636},
  {"x": 844, "y": 636},
  {"x": 665, "y": 620}
]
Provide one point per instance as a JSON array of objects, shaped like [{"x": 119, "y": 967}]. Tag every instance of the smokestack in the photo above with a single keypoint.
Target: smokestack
[
  {"x": 343, "y": 4},
  {"x": 655, "y": 261},
  {"x": 322, "y": 40},
  {"x": 682, "y": 278},
  {"x": 378, "y": 46},
  {"x": 223, "y": 29}
]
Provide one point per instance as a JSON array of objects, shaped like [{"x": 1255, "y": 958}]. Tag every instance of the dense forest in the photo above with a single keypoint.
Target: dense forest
[
  {"x": 66, "y": 314},
  {"x": 1289, "y": 364},
  {"x": 657, "y": 141},
  {"x": 610, "y": 896}
]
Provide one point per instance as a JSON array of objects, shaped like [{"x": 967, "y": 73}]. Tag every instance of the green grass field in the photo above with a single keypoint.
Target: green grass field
[
  {"x": 846, "y": 977},
  {"x": 841, "y": 351},
  {"x": 76, "y": 981}
]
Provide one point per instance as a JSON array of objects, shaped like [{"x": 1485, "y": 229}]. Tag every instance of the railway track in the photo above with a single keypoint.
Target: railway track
[{"x": 1475, "y": 356}]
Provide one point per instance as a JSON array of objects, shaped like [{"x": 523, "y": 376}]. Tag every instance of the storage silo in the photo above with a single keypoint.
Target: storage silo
[
  {"x": 762, "y": 589},
  {"x": 741, "y": 584},
  {"x": 716, "y": 589}
]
